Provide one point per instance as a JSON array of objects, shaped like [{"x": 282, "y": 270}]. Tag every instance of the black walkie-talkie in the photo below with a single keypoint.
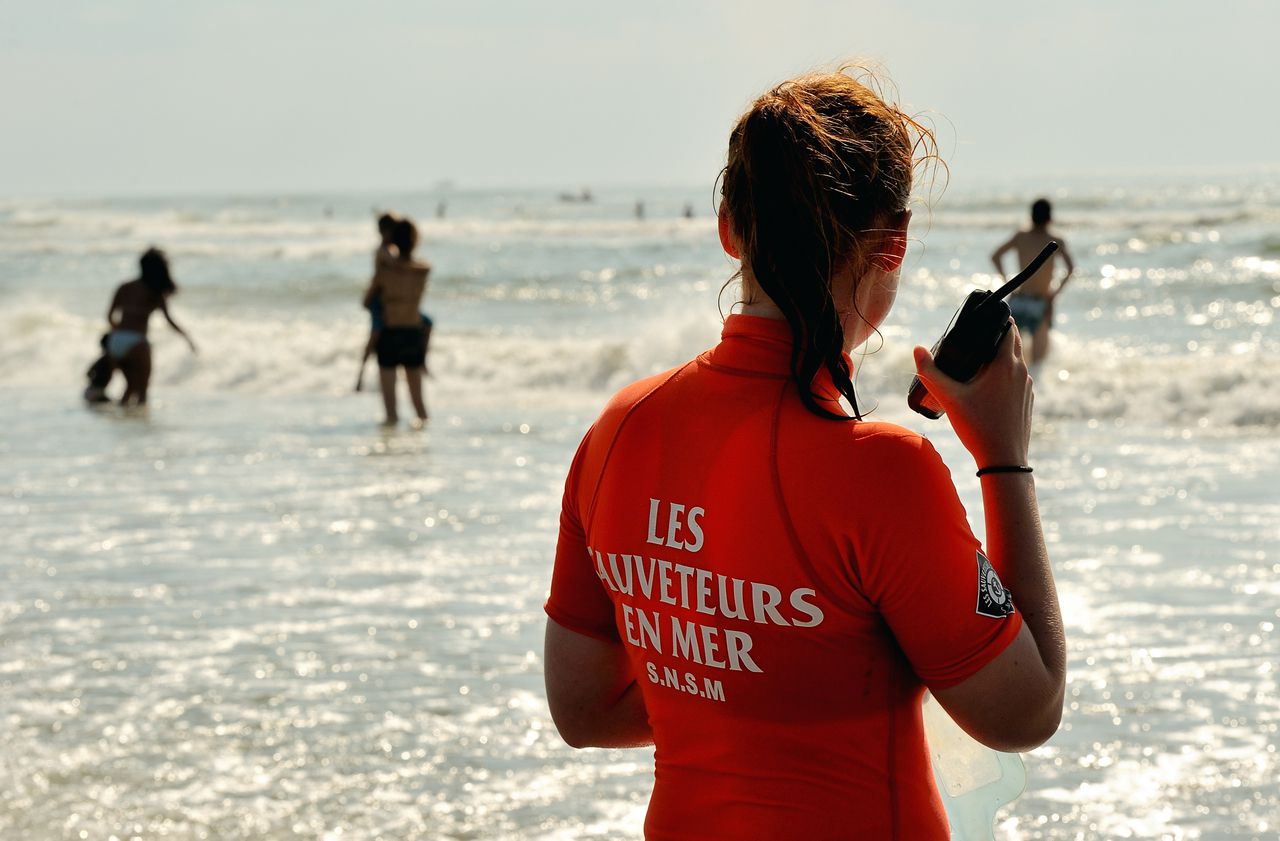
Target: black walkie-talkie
[{"x": 976, "y": 331}]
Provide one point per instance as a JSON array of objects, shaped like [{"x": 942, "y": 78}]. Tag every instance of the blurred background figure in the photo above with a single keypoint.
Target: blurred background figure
[
  {"x": 1032, "y": 304},
  {"x": 125, "y": 346},
  {"x": 99, "y": 375},
  {"x": 385, "y": 255},
  {"x": 401, "y": 339}
]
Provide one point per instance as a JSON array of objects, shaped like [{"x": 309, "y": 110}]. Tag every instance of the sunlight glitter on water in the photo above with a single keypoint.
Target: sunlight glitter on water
[{"x": 249, "y": 613}]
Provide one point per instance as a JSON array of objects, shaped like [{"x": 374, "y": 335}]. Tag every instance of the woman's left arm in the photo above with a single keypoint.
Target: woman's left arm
[
  {"x": 594, "y": 698},
  {"x": 169, "y": 318}
]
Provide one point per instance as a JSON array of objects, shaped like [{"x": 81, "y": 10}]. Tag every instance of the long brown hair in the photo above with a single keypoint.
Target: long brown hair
[
  {"x": 819, "y": 167},
  {"x": 155, "y": 272}
]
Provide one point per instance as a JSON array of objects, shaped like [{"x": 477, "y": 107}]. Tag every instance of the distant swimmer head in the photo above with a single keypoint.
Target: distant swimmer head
[
  {"x": 816, "y": 191},
  {"x": 404, "y": 236},
  {"x": 1041, "y": 212},
  {"x": 155, "y": 272}
]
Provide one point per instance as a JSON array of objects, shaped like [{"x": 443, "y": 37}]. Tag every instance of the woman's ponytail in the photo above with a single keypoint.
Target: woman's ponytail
[
  {"x": 814, "y": 167},
  {"x": 788, "y": 246}
]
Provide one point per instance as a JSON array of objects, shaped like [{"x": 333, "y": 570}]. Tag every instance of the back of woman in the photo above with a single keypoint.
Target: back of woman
[
  {"x": 401, "y": 285},
  {"x": 760, "y": 584},
  {"x": 757, "y": 556},
  {"x": 134, "y": 302}
]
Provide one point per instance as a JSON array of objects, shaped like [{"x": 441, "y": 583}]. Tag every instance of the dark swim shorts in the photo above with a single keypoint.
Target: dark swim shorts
[
  {"x": 402, "y": 346},
  {"x": 1028, "y": 312}
]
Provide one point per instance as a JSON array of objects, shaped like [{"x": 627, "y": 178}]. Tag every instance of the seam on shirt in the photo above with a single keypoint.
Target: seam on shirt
[
  {"x": 742, "y": 372},
  {"x": 617, "y": 430},
  {"x": 802, "y": 557}
]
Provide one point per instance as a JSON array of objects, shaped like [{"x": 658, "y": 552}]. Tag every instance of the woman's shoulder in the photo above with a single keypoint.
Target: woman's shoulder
[
  {"x": 865, "y": 442},
  {"x": 628, "y": 397},
  {"x": 884, "y": 433},
  {"x": 890, "y": 441},
  {"x": 870, "y": 461}
]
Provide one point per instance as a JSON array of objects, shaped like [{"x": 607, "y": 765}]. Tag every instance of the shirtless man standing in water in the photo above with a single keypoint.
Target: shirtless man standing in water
[{"x": 1032, "y": 304}]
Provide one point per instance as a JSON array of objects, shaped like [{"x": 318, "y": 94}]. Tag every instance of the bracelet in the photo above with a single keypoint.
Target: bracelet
[{"x": 1004, "y": 468}]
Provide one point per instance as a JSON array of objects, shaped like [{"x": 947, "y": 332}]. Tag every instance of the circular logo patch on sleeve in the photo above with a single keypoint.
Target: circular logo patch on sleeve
[{"x": 993, "y": 599}]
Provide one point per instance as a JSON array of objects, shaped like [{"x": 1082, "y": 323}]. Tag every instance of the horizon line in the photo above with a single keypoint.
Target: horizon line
[{"x": 445, "y": 187}]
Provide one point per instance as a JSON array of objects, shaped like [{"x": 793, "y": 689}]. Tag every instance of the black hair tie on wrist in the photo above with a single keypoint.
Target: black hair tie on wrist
[{"x": 1004, "y": 468}]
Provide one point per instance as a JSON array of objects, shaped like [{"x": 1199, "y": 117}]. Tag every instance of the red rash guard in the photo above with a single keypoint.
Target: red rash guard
[{"x": 785, "y": 586}]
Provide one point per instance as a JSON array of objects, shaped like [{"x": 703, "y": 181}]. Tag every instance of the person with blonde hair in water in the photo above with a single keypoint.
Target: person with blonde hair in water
[{"x": 761, "y": 583}]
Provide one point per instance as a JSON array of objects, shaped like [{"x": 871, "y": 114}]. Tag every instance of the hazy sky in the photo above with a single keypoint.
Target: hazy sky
[{"x": 127, "y": 96}]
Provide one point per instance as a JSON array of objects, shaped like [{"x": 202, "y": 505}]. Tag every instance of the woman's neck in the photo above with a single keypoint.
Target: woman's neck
[
  {"x": 760, "y": 305},
  {"x": 764, "y": 308}
]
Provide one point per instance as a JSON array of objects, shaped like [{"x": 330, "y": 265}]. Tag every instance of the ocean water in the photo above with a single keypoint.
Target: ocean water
[{"x": 250, "y": 613}]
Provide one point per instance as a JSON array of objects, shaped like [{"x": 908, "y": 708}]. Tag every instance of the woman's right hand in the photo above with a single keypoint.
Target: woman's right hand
[{"x": 991, "y": 413}]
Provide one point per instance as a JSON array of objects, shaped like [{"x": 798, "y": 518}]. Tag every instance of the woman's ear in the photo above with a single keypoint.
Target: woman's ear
[
  {"x": 727, "y": 240},
  {"x": 892, "y": 247}
]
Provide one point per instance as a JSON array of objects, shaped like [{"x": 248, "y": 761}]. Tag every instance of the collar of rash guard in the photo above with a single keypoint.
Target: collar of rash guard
[{"x": 756, "y": 346}]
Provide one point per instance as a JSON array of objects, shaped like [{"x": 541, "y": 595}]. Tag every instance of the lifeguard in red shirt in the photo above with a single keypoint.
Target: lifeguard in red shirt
[{"x": 761, "y": 584}]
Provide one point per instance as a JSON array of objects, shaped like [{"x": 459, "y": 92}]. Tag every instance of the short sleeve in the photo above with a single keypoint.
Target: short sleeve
[
  {"x": 578, "y": 600},
  {"x": 925, "y": 571}
]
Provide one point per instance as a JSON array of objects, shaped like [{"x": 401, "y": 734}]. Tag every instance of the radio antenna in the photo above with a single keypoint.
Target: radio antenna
[{"x": 1024, "y": 275}]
